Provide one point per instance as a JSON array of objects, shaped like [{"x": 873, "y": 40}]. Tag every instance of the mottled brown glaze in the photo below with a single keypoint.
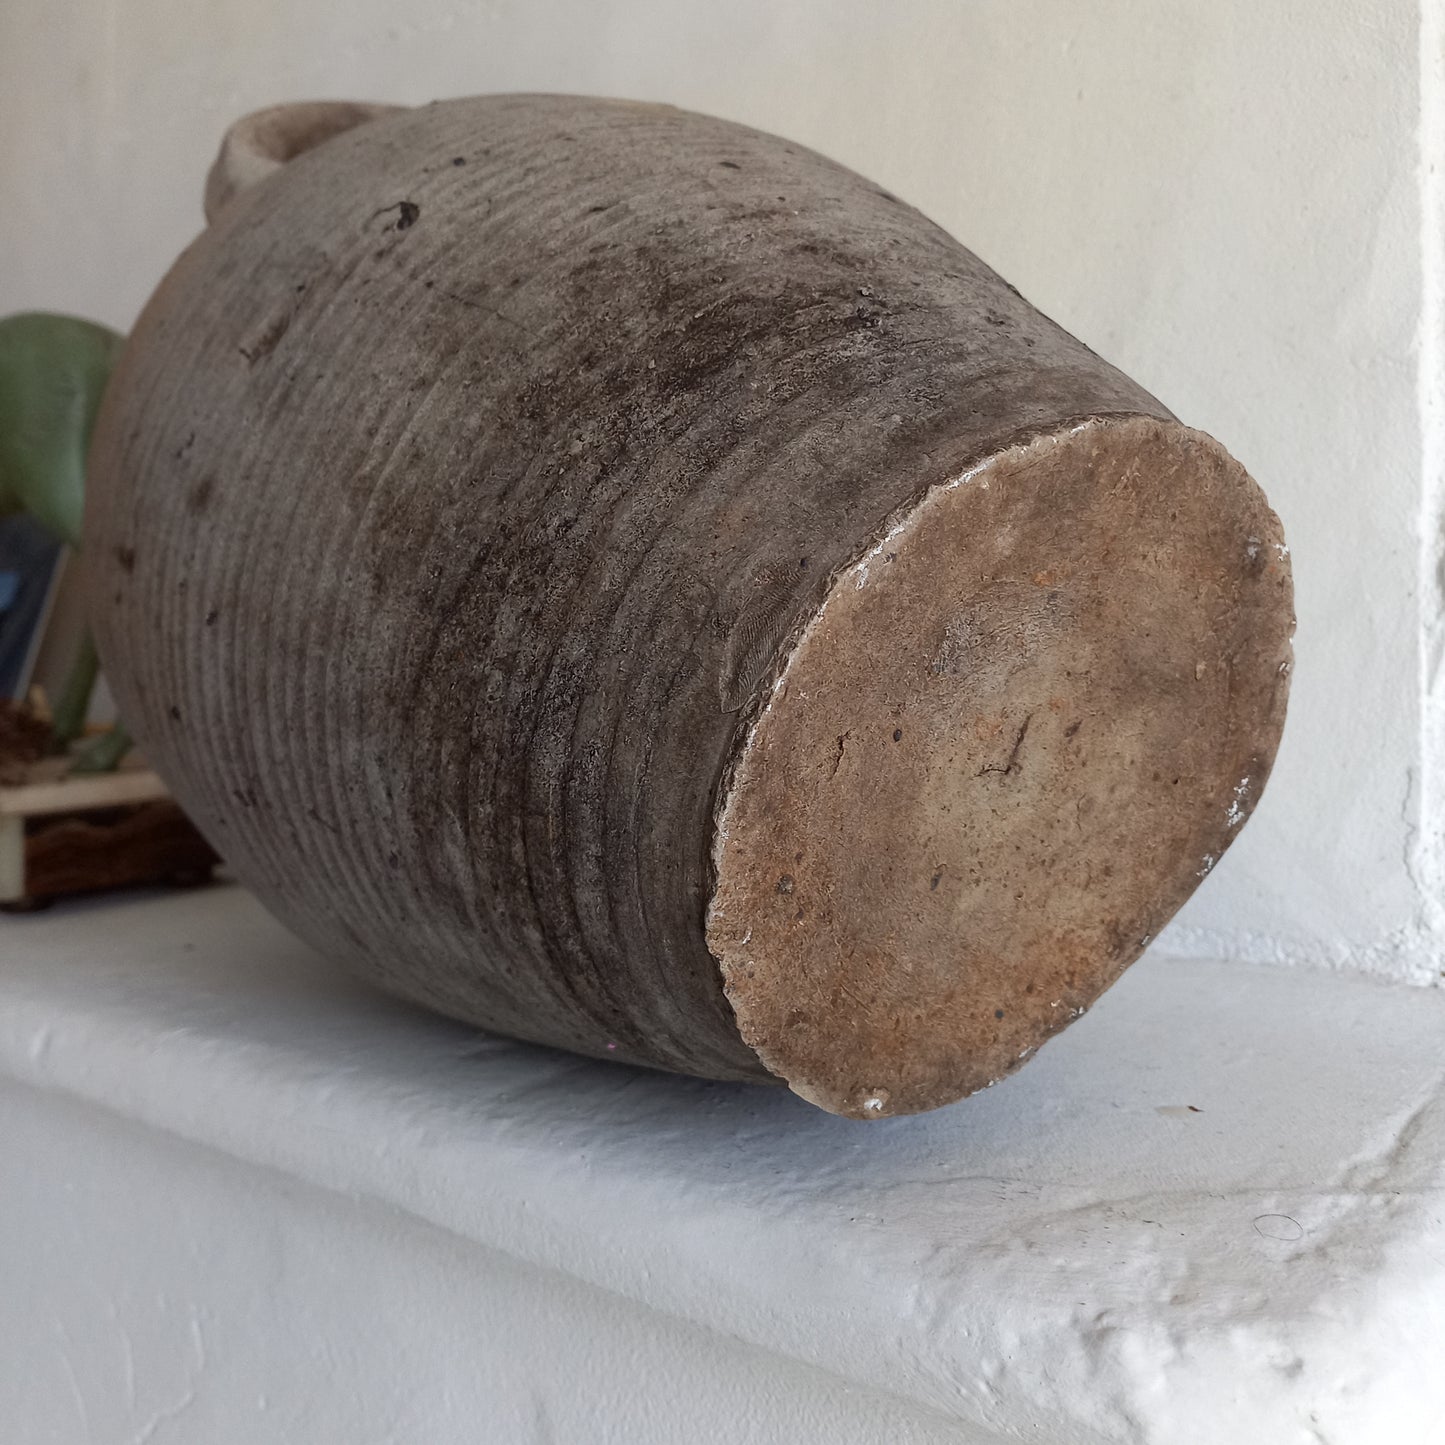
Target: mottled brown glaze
[{"x": 463, "y": 514}]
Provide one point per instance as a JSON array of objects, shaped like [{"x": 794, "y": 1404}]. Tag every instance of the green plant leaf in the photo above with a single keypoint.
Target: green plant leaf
[{"x": 53, "y": 370}]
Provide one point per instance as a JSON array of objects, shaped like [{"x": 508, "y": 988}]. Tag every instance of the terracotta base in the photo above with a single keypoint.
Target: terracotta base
[{"x": 1024, "y": 724}]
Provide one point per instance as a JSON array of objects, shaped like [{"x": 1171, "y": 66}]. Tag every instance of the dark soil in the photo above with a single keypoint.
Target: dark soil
[{"x": 24, "y": 739}]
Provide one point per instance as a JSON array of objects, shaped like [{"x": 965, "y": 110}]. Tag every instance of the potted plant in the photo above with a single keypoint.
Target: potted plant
[{"x": 72, "y": 818}]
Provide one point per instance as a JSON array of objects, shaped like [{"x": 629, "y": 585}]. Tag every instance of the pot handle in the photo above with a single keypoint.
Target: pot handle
[{"x": 263, "y": 141}]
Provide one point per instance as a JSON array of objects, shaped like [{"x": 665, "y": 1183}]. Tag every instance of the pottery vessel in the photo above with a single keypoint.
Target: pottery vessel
[{"x": 629, "y": 582}]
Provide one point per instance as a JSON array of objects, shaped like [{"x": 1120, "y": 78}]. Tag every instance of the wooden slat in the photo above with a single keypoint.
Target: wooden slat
[
  {"x": 12, "y": 860},
  {"x": 154, "y": 843},
  {"x": 45, "y": 794}
]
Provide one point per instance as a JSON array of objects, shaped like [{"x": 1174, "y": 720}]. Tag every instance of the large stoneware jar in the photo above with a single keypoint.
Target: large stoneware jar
[{"x": 629, "y": 582}]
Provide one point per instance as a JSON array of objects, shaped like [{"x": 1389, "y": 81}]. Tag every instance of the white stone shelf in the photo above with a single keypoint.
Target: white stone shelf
[{"x": 245, "y": 1199}]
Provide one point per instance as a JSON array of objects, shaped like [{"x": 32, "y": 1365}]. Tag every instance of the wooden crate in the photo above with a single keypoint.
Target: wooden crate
[{"x": 62, "y": 834}]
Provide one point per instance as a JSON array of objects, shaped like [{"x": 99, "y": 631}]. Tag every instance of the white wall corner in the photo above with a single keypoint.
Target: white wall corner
[{"x": 1427, "y": 806}]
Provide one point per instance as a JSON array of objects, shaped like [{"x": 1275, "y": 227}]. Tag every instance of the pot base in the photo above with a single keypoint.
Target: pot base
[{"x": 1023, "y": 725}]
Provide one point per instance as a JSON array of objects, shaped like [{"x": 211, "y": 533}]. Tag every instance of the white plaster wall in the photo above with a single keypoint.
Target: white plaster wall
[{"x": 1225, "y": 198}]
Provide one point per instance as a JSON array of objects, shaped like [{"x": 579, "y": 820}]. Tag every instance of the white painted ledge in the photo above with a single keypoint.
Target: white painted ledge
[{"x": 245, "y": 1200}]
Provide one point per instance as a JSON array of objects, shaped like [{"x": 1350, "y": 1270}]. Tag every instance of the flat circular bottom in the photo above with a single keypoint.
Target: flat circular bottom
[{"x": 1021, "y": 729}]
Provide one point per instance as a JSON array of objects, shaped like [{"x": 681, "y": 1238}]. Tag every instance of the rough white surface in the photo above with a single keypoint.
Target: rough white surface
[
  {"x": 1430, "y": 843},
  {"x": 244, "y": 1197},
  {"x": 1225, "y": 199},
  {"x": 179, "y": 1297}
]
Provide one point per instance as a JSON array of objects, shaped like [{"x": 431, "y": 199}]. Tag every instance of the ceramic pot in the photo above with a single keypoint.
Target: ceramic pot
[{"x": 624, "y": 580}]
